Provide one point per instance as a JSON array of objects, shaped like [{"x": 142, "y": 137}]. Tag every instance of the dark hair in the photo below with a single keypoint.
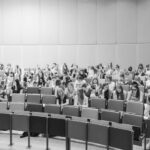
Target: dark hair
[
  {"x": 130, "y": 68},
  {"x": 58, "y": 82},
  {"x": 135, "y": 84},
  {"x": 120, "y": 95}
]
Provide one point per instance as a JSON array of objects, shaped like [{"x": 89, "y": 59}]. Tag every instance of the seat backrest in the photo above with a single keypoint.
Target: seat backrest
[
  {"x": 3, "y": 106},
  {"x": 20, "y": 121},
  {"x": 33, "y": 90},
  {"x": 77, "y": 130},
  {"x": 49, "y": 99},
  {"x": 116, "y": 105},
  {"x": 132, "y": 119},
  {"x": 46, "y": 90},
  {"x": 18, "y": 98},
  {"x": 57, "y": 126},
  {"x": 16, "y": 106},
  {"x": 135, "y": 107},
  {"x": 37, "y": 123},
  {"x": 98, "y": 133},
  {"x": 97, "y": 103},
  {"x": 34, "y": 98},
  {"x": 110, "y": 115},
  {"x": 52, "y": 109},
  {"x": 90, "y": 113},
  {"x": 71, "y": 110},
  {"x": 34, "y": 107},
  {"x": 121, "y": 138}
]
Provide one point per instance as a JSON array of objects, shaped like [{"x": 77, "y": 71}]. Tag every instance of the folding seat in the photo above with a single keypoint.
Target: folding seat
[
  {"x": 46, "y": 91},
  {"x": 126, "y": 87},
  {"x": 5, "y": 117},
  {"x": 147, "y": 122},
  {"x": 34, "y": 107},
  {"x": 121, "y": 137},
  {"x": 33, "y": 90},
  {"x": 34, "y": 98},
  {"x": 137, "y": 122},
  {"x": 116, "y": 105},
  {"x": 90, "y": 113},
  {"x": 49, "y": 99},
  {"x": 77, "y": 129},
  {"x": 37, "y": 122},
  {"x": 3, "y": 106},
  {"x": 110, "y": 115},
  {"x": 98, "y": 103},
  {"x": 18, "y": 98},
  {"x": 98, "y": 132},
  {"x": 52, "y": 109},
  {"x": 71, "y": 110},
  {"x": 133, "y": 119},
  {"x": 16, "y": 106},
  {"x": 57, "y": 125},
  {"x": 20, "y": 122},
  {"x": 135, "y": 107}
]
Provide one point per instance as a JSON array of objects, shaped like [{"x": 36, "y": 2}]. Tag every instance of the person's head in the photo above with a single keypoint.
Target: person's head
[
  {"x": 58, "y": 82},
  {"x": 117, "y": 67},
  {"x": 122, "y": 77},
  {"x": 140, "y": 67},
  {"x": 130, "y": 69},
  {"x": 109, "y": 78},
  {"x": 95, "y": 81},
  {"x": 11, "y": 74}
]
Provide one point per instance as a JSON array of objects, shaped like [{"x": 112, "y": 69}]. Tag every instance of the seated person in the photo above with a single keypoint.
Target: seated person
[
  {"x": 70, "y": 93},
  {"x": 134, "y": 93},
  {"x": 119, "y": 94}
]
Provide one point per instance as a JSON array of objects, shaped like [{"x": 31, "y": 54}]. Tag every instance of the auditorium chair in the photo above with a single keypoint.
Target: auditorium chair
[
  {"x": 46, "y": 91},
  {"x": 71, "y": 110},
  {"x": 49, "y": 99},
  {"x": 98, "y": 132},
  {"x": 117, "y": 105},
  {"x": 135, "y": 107},
  {"x": 13, "y": 106},
  {"x": 121, "y": 136},
  {"x": 138, "y": 126},
  {"x": 57, "y": 125},
  {"x": 97, "y": 103},
  {"x": 90, "y": 113},
  {"x": 77, "y": 129},
  {"x": 34, "y": 107},
  {"x": 34, "y": 98},
  {"x": 33, "y": 90},
  {"x": 20, "y": 98},
  {"x": 52, "y": 109},
  {"x": 20, "y": 122},
  {"x": 110, "y": 115}
]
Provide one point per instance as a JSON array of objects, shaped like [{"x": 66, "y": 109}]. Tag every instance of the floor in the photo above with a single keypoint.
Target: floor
[{"x": 39, "y": 143}]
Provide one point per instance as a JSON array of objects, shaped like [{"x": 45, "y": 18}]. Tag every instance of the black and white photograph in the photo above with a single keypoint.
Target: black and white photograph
[{"x": 75, "y": 74}]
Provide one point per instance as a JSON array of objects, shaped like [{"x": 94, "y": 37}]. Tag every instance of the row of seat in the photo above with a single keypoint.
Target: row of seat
[
  {"x": 38, "y": 90},
  {"x": 117, "y": 105},
  {"x": 100, "y": 132},
  {"x": 34, "y": 98},
  {"x": 91, "y": 113}
]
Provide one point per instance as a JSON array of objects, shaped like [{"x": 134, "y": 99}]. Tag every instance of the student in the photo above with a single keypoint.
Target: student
[
  {"x": 70, "y": 93},
  {"x": 119, "y": 94},
  {"x": 134, "y": 93}
]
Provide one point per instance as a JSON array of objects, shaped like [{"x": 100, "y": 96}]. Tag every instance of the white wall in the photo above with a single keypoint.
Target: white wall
[{"x": 85, "y": 32}]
